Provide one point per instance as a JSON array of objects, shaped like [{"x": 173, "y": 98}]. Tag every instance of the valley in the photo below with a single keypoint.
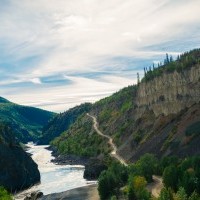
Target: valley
[{"x": 142, "y": 142}]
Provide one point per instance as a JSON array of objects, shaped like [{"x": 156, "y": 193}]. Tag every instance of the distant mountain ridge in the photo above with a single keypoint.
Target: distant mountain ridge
[{"x": 26, "y": 122}]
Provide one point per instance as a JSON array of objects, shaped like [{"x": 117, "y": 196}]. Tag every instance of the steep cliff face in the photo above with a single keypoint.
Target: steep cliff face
[
  {"x": 17, "y": 169},
  {"x": 169, "y": 93}
]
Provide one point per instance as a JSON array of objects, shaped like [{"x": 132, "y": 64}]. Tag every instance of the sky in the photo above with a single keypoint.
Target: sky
[{"x": 58, "y": 54}]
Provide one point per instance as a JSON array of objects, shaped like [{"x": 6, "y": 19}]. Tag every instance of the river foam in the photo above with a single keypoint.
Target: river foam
[{"x": 54, "y": 178}]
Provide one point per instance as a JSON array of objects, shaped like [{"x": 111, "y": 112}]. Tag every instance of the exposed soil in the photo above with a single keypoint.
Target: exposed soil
[{"x": 156, "y": 186}]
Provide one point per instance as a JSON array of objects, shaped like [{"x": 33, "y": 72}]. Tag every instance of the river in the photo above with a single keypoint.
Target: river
[{"x": 54, "y": 178}]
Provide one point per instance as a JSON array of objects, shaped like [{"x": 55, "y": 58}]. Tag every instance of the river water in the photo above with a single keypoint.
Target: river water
[{"x": 54, "y": 178}]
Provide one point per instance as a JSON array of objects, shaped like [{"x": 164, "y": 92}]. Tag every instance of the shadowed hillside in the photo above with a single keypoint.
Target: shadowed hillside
[
  {"x": 27, "y": 122},
  {"x": 17, "y": 169}
]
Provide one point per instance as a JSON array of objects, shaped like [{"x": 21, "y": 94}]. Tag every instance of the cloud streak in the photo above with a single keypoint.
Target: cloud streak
[{"x": 42, "y": 42}]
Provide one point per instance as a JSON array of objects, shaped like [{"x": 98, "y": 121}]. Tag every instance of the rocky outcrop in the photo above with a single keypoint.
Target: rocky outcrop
[
  {"x": 93, "y": 169},
  {"x": 89, "y": 192},
  {"x": 169, "y": 93},
  {"x": 70, "y": 160},
  {"x": 17, "y": 169},
  {"x": 34, "y": 196}
]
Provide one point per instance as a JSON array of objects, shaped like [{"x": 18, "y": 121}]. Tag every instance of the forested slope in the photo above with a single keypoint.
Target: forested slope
[
  {"x": 62, "y": 122},
  {"x": 27, "y": 122}
]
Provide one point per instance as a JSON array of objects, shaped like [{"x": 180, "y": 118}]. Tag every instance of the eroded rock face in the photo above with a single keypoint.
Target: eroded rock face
[
  {"x": 17, "y": 169},
  {"x": 169, "y": 93}
]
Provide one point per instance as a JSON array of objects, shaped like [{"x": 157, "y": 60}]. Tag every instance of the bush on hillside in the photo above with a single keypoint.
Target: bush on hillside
[{"x": 4, "y": 195}]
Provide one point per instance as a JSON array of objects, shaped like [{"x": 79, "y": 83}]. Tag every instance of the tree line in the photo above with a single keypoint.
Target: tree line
[
  {"x": 181, "y": 178},
  {"x": 182, "y": 62}
]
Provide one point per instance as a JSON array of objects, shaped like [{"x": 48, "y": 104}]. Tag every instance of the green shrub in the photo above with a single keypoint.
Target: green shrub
[
  {"x": 147, "y": 166},
  {"x": 170, "y": 177},
  {"x": 113, "y": 197},
  {"x": 111, "y": 180},
  {"x": 4, "y": 195},
  {"x": 126, "y": 106},
  {"x": 166, "y": 194},
  {"x": 194, "y": 196},
  {"x": 137, "y": 188}
]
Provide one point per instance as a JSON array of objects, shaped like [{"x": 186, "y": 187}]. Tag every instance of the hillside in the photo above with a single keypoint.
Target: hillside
[
  {"x": 62, "y": 122},
  {"x": 80, "y": 139},
  {"x": 160, "y": 115},
  {"x": 27, "y": 122},
  {"x": 17, "y": 170}
]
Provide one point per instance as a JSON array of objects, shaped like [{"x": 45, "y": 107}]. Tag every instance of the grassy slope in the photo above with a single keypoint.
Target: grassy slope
[
  {"x": 27, "y": 122},
  {"x": 80, "y": 139},
  {"x": 115, "y": 113}
]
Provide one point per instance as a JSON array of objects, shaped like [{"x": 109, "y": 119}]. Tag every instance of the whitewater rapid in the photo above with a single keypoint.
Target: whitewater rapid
[{"x": 54, "y": 178}]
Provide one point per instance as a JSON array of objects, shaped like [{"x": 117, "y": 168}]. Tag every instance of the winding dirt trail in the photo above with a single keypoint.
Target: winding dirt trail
[
  {"x": 154, "y": 187},
  {"x": 110, "y": 141}
]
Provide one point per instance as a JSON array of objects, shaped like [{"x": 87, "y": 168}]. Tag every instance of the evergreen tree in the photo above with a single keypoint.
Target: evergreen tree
[
  {"x": 181, "y": 194},
  {"x": 153, "y": 67},
  {"x": 171, "y": 59},
  {"x": 147, "y": 166},
  {"x": 144, "y": 71},
  {"x": 167, "y": 59},
  {"x": 194, "y": 196},
  {"x": 170, "y": 177},
  {"x": 165, "y": 194},
  {"x": 138, "y": 78}
]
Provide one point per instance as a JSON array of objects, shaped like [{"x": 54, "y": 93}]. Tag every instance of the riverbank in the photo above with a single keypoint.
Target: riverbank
[
  {"x": 54, "y": 178},
  {"x": 67, "y": 159},
  {"x": 93, "y": 166},
  {"x": 89, "y": 192}
]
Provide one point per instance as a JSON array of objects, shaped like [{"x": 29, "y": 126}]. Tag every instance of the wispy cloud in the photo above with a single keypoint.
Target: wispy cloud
[
  {"x": 58, "y": 98},
  {"x": 56, "y": 47}
]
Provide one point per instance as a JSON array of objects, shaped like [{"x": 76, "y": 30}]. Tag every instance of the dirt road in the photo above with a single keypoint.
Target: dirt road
[
  {"x": 110, "y": 141},
  {"x": 156, "y": 186}
]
